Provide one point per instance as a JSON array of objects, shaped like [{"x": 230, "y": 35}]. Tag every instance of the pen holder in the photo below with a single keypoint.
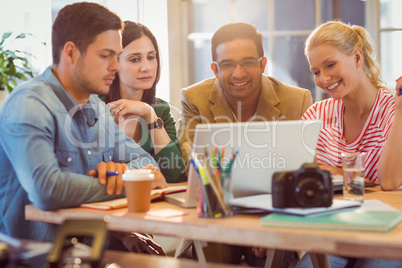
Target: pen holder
[{"x": 213, "y": 200}]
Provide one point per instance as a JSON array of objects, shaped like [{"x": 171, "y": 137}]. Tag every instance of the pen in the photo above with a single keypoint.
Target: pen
[
  {"x": 111, "y": 173},
  {"x": 231, "y": 161},
  {"x": 219, "y": 161}
]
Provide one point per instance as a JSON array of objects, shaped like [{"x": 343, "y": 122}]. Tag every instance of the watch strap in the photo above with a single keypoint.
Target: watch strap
[{"x": 157, "y": 124}]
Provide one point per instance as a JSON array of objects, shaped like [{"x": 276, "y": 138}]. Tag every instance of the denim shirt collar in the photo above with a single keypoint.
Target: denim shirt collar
[{"x": 89, "y": 114}]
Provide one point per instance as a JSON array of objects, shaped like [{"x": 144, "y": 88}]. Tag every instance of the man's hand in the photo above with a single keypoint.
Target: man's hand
[
  {"x": 139, "y": 243},
  {"x": 159, "y": 181},
  {"x": 260, "y": 252},
  {"x": 114, "y": 184},
  {"x": 398, "y": 99}
]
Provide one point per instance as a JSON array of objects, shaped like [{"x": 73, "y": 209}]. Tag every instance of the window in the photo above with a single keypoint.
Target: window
[
  {"x": 36, "y": 17},
  {"x": 189, "y": 24},
  {"x": 390, "y": 54},
  {"x": 283, "y": 37}
]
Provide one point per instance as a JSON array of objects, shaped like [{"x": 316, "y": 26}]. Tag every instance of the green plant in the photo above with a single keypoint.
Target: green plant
[{"x": 14, "y": 64}]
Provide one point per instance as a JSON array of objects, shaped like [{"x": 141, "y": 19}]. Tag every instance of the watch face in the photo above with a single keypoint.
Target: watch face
[{"x": 159, "y": 123}]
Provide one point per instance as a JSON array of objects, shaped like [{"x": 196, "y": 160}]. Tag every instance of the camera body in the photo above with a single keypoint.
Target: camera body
[{"x": 306, "y": 187}]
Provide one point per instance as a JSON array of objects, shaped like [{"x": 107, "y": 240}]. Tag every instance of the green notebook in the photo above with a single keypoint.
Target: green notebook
[{"x": 352, "y": 220}]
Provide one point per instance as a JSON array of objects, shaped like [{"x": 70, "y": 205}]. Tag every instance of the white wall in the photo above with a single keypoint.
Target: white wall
[
  {"x": 154, "y": 16},
  {"x": 25, "y": 16}
]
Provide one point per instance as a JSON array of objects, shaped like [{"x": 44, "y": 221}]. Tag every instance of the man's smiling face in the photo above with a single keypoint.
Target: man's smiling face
[{"x": 242, "y": 81}]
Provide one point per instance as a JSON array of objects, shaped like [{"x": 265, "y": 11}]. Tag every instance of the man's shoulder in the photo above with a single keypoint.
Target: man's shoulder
[
  {"x": 34, "y": 101},
  {"x": 28, "y": 91}
]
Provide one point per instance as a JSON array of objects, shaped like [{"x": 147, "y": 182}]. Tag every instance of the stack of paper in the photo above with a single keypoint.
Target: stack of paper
[{"x": 264, "y": 203}]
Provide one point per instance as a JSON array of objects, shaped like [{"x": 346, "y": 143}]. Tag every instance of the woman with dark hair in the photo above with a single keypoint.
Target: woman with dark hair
[{"x": 136, "y": 110}]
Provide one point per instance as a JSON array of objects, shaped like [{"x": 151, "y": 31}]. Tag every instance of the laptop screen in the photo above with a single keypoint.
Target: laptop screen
[{"x": 263, "y": 148}]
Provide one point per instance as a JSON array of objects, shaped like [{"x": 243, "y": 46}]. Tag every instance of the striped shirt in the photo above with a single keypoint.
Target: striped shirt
[{"x": 371, "y": 139}]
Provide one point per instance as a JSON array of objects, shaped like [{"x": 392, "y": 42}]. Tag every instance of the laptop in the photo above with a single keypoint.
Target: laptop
[
  {"x": 263, "y": 148},
  {"x": 188, "y": 198}
]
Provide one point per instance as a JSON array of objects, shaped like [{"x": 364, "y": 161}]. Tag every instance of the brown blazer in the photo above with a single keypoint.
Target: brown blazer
[{"x": 204, "y": 102}]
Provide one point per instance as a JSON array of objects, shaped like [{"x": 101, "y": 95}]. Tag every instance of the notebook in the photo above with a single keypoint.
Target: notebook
[
  {"x": 353, "y": 220},
  {"x": 122, "y": 202},
  {"x": 263, "y": 148}
]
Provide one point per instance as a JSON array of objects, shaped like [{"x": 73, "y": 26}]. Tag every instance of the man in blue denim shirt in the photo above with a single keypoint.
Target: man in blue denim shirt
[{"x": 55, "y": 131}]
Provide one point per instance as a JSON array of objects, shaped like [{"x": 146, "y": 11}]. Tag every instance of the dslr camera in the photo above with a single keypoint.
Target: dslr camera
[{"x": 306, "y": 187}]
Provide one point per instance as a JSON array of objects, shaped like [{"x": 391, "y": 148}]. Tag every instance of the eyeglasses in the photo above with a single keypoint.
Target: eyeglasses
[{"x": 231, "y": 65}]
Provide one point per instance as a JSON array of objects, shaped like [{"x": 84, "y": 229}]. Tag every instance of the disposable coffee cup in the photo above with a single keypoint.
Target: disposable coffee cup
[{"x": 138, "y": 186}]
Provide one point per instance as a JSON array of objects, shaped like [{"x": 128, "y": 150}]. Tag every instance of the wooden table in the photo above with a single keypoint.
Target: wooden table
[
  {"x": 110, "y": 257},
  {"x": 246, "y": 229},
  {"x": 153, "y": 261}
]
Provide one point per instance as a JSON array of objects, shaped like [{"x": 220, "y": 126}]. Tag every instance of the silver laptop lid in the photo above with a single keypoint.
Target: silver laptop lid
[{"x": 263, "y": 148}]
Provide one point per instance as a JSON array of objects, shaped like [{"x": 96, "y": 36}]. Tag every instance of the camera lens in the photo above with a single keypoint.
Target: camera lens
[{"x": 309, "y": 192}]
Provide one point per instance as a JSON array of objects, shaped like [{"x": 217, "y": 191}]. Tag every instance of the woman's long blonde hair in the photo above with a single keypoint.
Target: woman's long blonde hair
[{"x": 347, "y": 38}]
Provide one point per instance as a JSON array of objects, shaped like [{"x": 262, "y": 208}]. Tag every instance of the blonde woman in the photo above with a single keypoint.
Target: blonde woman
[{"x": 359, "y": 114}]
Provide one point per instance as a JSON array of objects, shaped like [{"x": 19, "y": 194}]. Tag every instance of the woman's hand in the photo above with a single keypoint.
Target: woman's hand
[
  {"x": 159, "y": 181},
  {"x": 127, "y": 115},
  {"x": 123, "y": 108},
  {"x": 332, "y": 170},
  {"x": 339, "y": 171}
]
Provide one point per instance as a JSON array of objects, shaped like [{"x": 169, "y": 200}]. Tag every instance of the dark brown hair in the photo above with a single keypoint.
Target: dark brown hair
[
  {"x": 233, "y": 31},
  {"x": 133, "y": 31},
  {"x": 81, "y": 23}
]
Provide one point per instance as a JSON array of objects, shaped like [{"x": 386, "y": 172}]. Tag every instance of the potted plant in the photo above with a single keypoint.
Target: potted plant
[{"x": 14, "y": 64}]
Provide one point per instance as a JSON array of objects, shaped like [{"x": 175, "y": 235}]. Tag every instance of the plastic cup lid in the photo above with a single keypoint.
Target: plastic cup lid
[{"x": 137, "y": 174}]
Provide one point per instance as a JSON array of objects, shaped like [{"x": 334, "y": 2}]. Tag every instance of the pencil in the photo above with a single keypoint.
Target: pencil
[
  {"x": 207, "y": 191},
  {"x": 217, "y": 189}
]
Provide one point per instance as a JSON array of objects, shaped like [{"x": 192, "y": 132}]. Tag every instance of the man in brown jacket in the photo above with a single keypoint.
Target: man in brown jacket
[{"x": 239, "y": 92}]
